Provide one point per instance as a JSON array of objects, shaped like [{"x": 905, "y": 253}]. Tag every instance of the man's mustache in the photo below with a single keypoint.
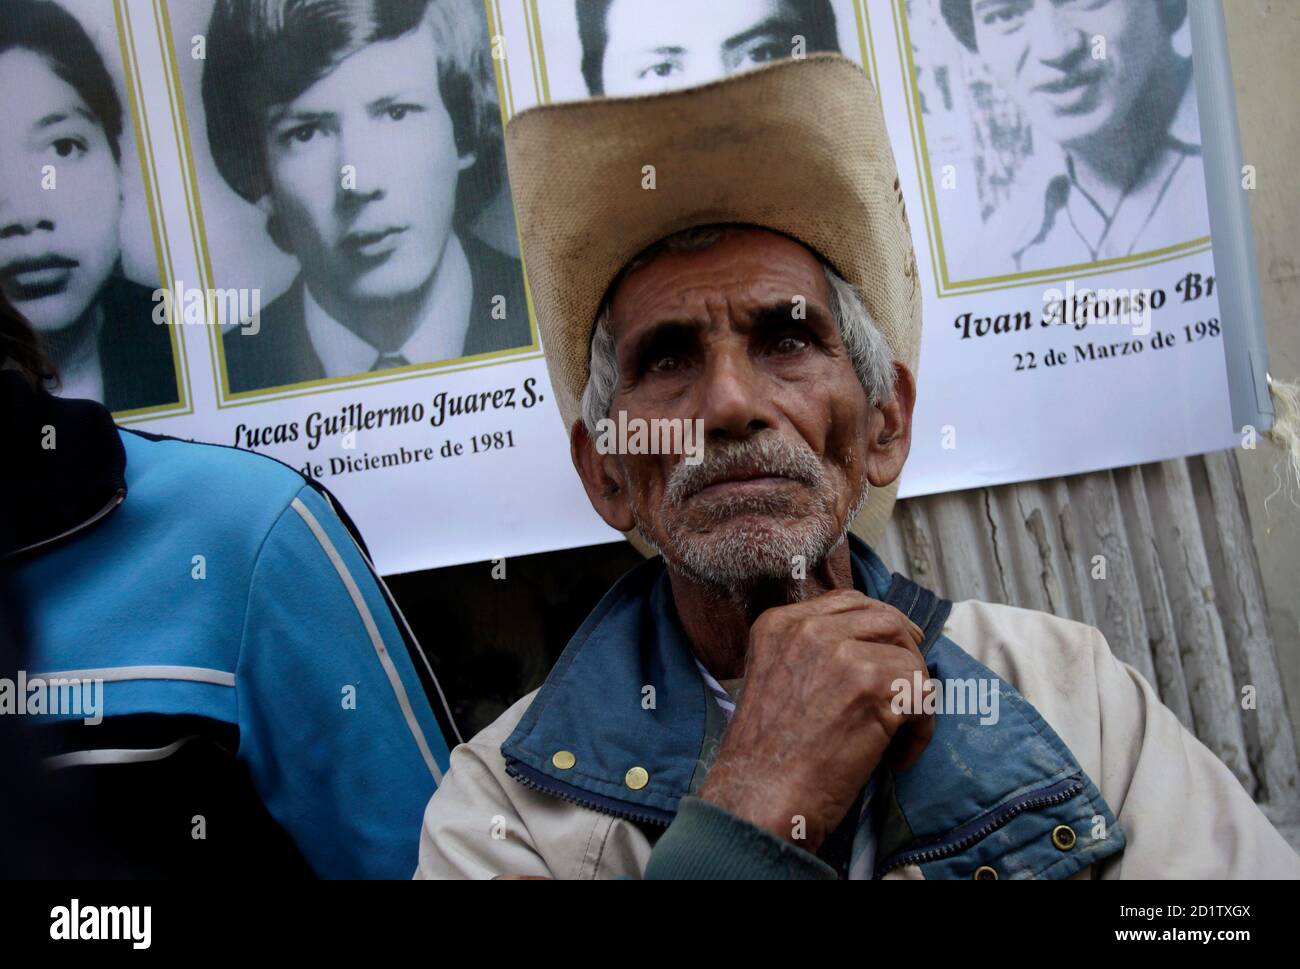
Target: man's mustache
[{"x": 755, "y": 457}]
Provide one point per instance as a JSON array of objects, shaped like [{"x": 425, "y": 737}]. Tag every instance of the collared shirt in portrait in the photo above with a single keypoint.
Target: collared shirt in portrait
[
  {"x": 439, "y": 336},
  {"x": 283, "y": 351}
]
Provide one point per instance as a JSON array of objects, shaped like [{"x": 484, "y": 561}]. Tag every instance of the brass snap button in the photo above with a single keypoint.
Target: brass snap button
[
  {"x": 563, "y": 759},
  {"x": 985, "y": 874},
  {"x": 1063, "y": 837},
  {"x": 636, "y": 778}
]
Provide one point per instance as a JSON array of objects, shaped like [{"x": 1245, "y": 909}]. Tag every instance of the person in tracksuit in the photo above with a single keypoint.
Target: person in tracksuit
[{"x": 261, "y": 706}]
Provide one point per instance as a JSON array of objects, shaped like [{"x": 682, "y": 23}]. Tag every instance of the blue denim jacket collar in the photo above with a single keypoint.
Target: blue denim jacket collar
[{"x": 626, "y": 694}]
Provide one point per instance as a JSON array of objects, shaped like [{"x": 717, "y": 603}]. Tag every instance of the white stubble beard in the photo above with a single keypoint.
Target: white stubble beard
[{"x": 732, "y": 557}]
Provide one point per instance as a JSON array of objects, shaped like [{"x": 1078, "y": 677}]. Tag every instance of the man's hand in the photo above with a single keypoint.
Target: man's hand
[{"x": 815, "y": 716}]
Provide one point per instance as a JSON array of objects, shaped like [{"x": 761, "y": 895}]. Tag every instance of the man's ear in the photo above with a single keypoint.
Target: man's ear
[
  {"x": 266, "y": 206},
  {"x": 888, "y": 448},
  {"x": 602, "y": 478}
]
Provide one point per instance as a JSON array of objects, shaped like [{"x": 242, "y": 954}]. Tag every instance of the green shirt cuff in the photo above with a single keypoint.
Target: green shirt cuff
[{"x": 707, "y": 842}]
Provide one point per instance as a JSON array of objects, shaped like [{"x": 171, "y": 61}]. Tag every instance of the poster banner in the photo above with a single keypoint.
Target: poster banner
[{"x": 287, "y": 227}]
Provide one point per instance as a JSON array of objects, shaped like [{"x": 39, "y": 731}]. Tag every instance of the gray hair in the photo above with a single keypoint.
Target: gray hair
[{"x": 866, "y": 345}]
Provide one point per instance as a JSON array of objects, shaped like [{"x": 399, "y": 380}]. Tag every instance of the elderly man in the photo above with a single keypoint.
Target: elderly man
[{"x": 763, "y": 698}]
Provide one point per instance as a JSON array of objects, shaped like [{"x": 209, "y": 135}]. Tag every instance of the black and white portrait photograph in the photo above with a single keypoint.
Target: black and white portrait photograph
[
  {"x": 350, "y": 165},
  {"x": 79, "y": 257},
  {"x": 1059, "y": 133},
  {"x": 625, "y": 47},
  {"x": 633, "y": 47}
]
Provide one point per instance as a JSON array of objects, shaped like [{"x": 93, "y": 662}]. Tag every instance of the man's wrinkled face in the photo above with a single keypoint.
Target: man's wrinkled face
[
  {"x": 1041, "y": 52},
  {"x": 713, "y": 335},
  {"x": 667, "y": 44},
  {"x": 364, "y": 168}
]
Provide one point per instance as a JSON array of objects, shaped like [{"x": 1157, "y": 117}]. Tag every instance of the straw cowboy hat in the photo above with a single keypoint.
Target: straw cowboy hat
[{"x": 798, "y": 146}]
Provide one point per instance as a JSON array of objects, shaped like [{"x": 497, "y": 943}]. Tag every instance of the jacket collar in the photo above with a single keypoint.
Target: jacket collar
[
  {"x": 69, "y": 464},
  {"x": 626, "y": 694}
]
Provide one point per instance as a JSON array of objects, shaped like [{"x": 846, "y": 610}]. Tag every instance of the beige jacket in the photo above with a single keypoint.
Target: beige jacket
[{"x": 1182, "y": 811}]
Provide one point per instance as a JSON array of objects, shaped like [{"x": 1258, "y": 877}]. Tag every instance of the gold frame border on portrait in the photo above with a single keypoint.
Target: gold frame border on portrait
[
  {"x": 945, "y": 287},
  {"x": 157, "y": 221},
  {"x": 225, "y": 399}
]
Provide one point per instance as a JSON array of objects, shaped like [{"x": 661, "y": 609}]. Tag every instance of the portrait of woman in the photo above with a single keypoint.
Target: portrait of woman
[{"x": 61, "y": 202}]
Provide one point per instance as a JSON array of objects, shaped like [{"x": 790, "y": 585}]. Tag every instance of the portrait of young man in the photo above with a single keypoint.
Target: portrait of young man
[
  {"x": 62, "y": 133},
  {"x": 367, "y": 132},
  {"x": 1115, "y": 168},
  {"x": 631, "y": 47}
]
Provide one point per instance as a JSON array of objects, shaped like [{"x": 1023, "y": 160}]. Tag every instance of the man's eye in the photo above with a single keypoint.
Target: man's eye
[
  {"x": 67, "y": 147},
  {"x": 662, "y": 69},
  {"x": 399, "y": 111},
  {"x": 303, "y": 133},
  {"x": 790, "y": 344},
  {"x": 1003, "y": 17},
  {"x": 767, "y": 52},
  {"x": 665, "y": 364}
]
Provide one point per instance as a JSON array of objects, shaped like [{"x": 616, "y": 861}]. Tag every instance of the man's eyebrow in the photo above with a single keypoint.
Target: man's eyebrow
[
  {"x": 388, "y": 100},
  {"x": 666, "y": 49},
  {"x": 776, "y": 24},
  {"x": 58, "y": 117},
  {"x": 782, "y": 311},
  {"x": 282, "y": 114},
  {"x": 659, "y": 333}
]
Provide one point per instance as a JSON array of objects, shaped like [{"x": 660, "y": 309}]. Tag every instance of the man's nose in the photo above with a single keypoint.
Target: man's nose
[
  {"x": 21, "y": 214},
  {"x": 1053, "y": 36},
  {"x": 362, "y": 161},
  {"x": 734, "y": 399},
  {"x": 23, "y": 208}
]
